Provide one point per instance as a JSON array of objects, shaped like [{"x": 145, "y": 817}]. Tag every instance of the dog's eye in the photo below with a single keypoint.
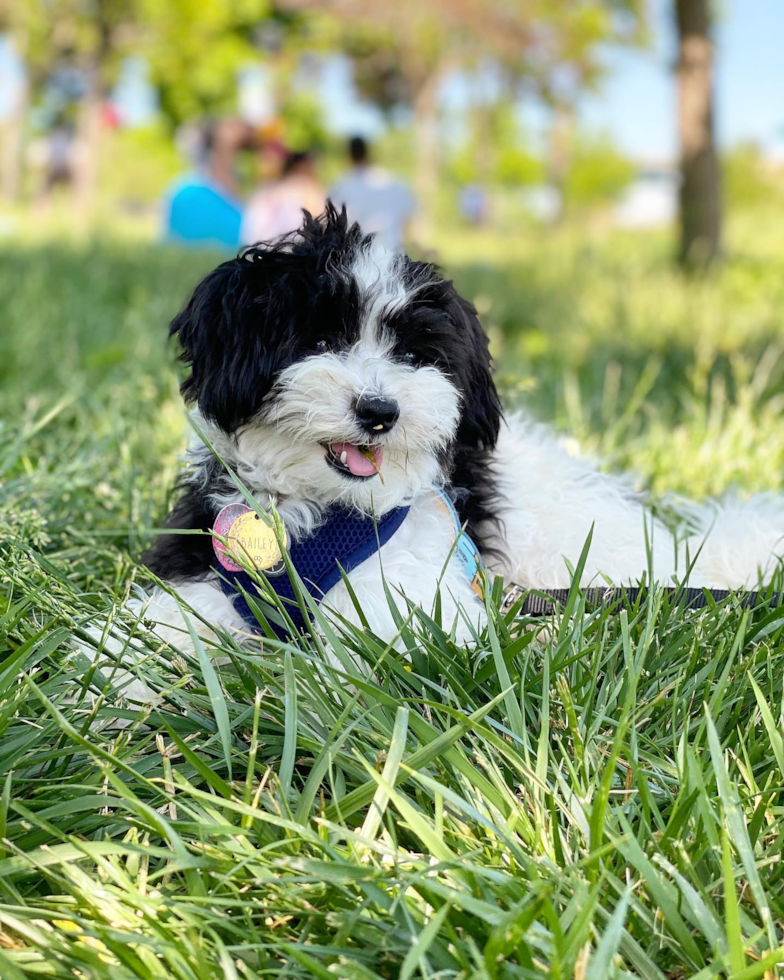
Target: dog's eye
[
  {"x": 321, "y": 346},
  {"x": 409, "y": 357}
]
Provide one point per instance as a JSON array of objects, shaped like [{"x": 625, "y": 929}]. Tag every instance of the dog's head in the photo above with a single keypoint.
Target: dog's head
[{"x": 331, "y": 370}]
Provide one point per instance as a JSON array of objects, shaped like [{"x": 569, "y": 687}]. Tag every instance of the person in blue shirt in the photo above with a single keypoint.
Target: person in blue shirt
[{"x": 202, "y": 207}]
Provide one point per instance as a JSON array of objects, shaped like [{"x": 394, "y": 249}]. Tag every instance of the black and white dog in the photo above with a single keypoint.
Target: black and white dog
[{"x": 335, "y": 377}]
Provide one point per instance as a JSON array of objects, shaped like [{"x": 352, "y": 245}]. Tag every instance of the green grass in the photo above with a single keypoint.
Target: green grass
[{"x": 604, "y": 800}]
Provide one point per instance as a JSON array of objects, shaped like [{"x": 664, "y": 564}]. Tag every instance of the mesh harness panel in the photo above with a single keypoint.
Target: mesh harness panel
[{"x": 344, "y": 540}]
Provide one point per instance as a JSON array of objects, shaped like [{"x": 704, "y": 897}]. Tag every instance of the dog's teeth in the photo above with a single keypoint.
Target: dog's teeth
[{"x": 343, "y": 457}]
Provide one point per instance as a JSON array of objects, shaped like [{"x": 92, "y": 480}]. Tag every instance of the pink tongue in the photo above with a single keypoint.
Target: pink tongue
[{"x": 356, "y": 461}]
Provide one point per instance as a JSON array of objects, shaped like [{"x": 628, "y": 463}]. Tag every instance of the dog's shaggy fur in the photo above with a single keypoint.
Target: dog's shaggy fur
[{"x": 288, "y": 344}]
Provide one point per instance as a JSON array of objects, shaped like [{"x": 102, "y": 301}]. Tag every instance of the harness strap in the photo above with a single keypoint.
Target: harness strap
[
  {"x": 344, "y": 540},
  {"x": 544, "y": 602}
]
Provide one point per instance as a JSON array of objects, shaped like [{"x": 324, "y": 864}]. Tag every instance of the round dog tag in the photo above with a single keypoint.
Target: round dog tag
[{"x": 248, "y": 537}]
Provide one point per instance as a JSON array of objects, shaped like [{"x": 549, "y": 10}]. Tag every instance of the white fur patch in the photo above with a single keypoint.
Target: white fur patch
[
  {"x": 281, "y": 456},
  {"x": 414, "y": 563},
  {"x": 553, "y": 498},
  {"x": 164, "y": 615},
  {"x": 378, "y": 274}
]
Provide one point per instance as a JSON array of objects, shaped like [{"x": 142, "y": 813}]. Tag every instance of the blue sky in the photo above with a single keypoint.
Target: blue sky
[{"x": 636, "y": 104}]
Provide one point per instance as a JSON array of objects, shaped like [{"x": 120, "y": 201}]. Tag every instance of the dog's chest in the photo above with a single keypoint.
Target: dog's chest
[{"x": 414, "y": 563}]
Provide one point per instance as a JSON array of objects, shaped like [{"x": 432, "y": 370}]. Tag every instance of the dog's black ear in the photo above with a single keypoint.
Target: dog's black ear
[
  {"x": 222, "y": 336},
  {"x": 481, "y": 411}
]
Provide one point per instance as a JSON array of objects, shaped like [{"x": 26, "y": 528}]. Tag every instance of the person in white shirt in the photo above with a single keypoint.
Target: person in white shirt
[{"x": 377, "y": 200}]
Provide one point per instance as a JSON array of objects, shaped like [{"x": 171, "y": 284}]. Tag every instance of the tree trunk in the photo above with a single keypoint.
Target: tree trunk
[
  {"x": 700, "y": 208},
  {"x": 90, "y": 124},
  {"x": 560, "y": 140},
  {"x": 87, "y": 154},
  {"x": 11, "y": 139},
  {"x": 12, "y": 134},
  {"x": 484, "y": 143},
  {"x": 427, "y": 146}
]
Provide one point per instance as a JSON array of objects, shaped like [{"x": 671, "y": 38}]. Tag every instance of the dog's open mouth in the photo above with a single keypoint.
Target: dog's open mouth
[{"x": 360, "y": 462}]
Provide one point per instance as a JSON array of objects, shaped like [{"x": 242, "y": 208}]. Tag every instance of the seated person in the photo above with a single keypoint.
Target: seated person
[
  {"x": 276, "y": 208},
  {"x": 202, "y": 208}
]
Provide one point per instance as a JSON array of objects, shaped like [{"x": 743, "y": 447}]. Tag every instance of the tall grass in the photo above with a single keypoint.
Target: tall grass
[{"x": 600, "y": 800}]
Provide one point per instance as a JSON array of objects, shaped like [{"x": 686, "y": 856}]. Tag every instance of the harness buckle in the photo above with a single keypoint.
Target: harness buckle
[{"x": 511, "y": 598}]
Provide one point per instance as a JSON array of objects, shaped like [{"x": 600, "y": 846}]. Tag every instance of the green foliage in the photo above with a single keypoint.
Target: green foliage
[
  {"x": 600, "y": 800},
  {"x": 194, "y": 49},
  {"x": 495, "y": 151},
  {"x": 749, "y": 181},
  {"x": 518, "y": 168},
  {"x": 47, "y": 31},
  {"x": 398, "y": 48},
  {"x": 596, "y": 173},
  {"x": 570, "y": 40},
  {"x": 137, "y": 164},
  {"x": 303, "y": 124},
  {"x": 395, "y": 149}
]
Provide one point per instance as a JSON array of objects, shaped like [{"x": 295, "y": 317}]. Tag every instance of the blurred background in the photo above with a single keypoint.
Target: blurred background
[
  {"x": 603, "y": 178},
  {"x": 499, "y": 114}
]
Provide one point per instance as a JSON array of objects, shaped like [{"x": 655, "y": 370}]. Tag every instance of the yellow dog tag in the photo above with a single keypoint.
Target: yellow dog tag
[{"x": 248, "y": 538}]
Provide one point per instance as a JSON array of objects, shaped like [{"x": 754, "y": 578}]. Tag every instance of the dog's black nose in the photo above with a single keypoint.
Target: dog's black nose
[{"x": 376, "y": 414}]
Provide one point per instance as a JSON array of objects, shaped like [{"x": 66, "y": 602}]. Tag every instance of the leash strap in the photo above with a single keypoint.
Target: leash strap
[
  {"x": 544, "y": 602},
  {"x": 344, "y": 541}
]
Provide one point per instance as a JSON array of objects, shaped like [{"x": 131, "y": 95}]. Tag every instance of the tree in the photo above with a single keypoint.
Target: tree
[
  {"x": 566, "y": 60},
  {"x": 597, "y": 173},
  {"x": 700, "y": 209},
  {"x": 194, "y": 50},
  {"x": 497, "y": 152},
  {"x": 403, "y": 51}
]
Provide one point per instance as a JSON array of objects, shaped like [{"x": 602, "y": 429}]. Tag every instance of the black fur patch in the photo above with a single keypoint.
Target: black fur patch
[
  {"x": 443, "y": 329},
  {"x": 178, "y": 557},
  {"x": 257, "y": 314}
]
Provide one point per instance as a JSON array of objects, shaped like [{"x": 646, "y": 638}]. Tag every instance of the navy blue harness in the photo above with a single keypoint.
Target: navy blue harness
[{"x": 344, "y": 540}]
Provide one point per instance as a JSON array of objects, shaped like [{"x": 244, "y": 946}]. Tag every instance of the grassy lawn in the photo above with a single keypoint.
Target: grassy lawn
[{"x": 606, "y": 801}]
